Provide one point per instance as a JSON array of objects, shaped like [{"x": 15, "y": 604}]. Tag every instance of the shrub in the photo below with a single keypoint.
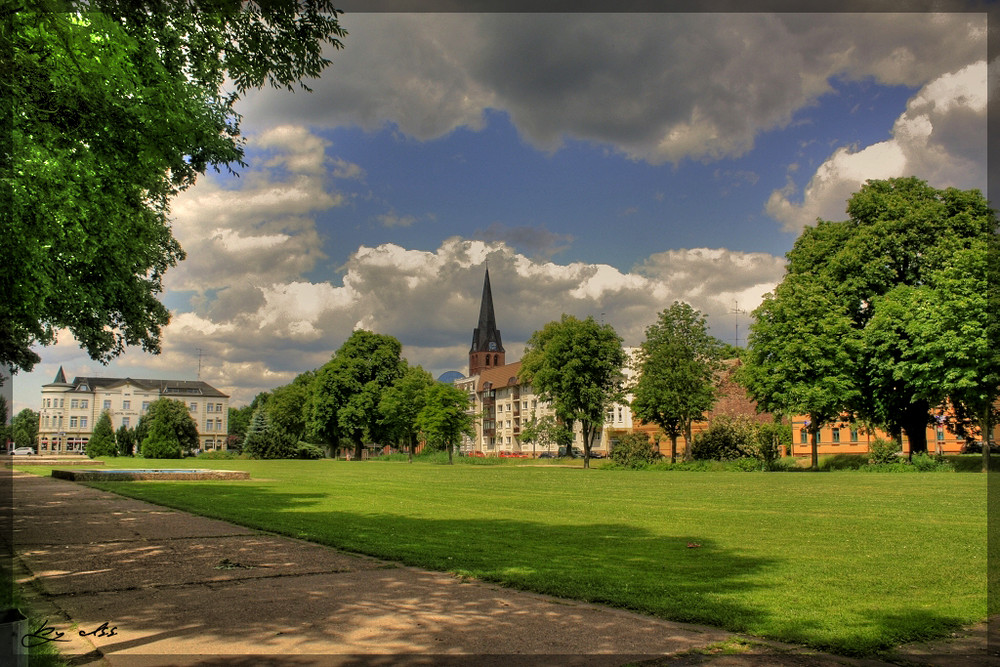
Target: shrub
[
  {"x": 161, "y": 442},
  {"x": 882, "y": 451},
  {"x": 305, "y": 450},
  {"x": 218, "y": 454},
  {"x": 925, "y": 463},
  {"x": 634, "y": 450},
  {"x": 726, "y": 439}
]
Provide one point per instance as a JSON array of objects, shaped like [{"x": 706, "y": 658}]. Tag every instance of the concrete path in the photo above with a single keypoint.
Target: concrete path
[{"x": 152, "y": 586}]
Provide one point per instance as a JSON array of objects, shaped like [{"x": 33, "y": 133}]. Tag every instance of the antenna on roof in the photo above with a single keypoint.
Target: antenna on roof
[
  {"x": 737, "y": 311},
  {"x": 199, "y": 363}
]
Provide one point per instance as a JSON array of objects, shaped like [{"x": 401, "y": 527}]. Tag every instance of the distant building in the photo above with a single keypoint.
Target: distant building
[
  {"x": 70, "y": 410},
  {"x": 502, "y": 405}
]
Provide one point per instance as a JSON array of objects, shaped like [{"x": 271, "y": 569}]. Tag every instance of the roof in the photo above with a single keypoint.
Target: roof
[
  {"x": 174, "y": 388},
  {"x": 499, "y": 376},
  {"x": 487, "y": 331}
]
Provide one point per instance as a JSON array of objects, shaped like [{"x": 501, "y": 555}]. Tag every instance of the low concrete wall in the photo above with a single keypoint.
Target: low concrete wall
[{"x": 150, "y": 473}]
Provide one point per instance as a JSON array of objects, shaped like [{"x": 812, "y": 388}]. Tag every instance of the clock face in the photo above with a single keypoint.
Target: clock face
[{"x": 493, "y": 347}]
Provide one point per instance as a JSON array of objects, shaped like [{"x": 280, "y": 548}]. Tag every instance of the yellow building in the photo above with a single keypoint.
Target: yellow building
[{"x": 70, "y": 410}]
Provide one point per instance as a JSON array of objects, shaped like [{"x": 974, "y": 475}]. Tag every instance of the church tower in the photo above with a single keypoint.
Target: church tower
[{"x": 487, "y": 350}]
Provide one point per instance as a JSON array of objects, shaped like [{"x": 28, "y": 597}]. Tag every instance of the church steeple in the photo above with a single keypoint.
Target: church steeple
[{"x": 487, "y": 349}]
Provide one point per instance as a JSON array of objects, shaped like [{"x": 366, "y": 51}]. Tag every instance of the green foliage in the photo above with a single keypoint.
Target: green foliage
[
  {"x": 239, "y": 422},
  {"x": 173, "y": 427},
  {"x": 883, "y": 451},
  {"x": 115, "y": 107},
  {"x": 543, "y": 432},
  {"x": 125, "y": 437},
  {"x": 219, "y": 455},
  {"x": 305, "y": 450},
  {"x": 676, "y": 366},
  {"x": 345, "y": 395},
  {"x": 24, "y": 428},
  {"x": 634, "y": 450},
  {"x": 102, "y": 440},
  {"x": 576, "y": 365},
  {"x": 726, "y": 439},
  {"x": 161, "y": 441},
  {"x": 400, "y": 404},
  {"x": 444, "y": 418},
  {"x": 267, "y": 441}
]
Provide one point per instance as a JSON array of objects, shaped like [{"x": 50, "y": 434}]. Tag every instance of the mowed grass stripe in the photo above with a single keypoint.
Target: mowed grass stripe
[{"x": 853, "y": 563}]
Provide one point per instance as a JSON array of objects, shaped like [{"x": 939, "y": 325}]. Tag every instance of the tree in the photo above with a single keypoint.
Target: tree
[
  {"x": 125, "y": 438},
  {"x": 545, "y": 432},
  {"x": 265, "y": 440},
  {"x": 400, "y": 404},
  {"x": 576, "y": 365},
  {"x": 286, "y": 405},
  {"x": 900, "y": 234},
  {"x": 24, "y": 428},
  {"x": 444, "y": 417},
  {"x": 801, "y": 355},
  {"x": 634, "y": 450},
  {"x": 168, "y": 430},
  {"x": 676, "y": 368},
  {"x": 102, "y": 441},
  {"x": 239, "y": 422},
  {"x": 112, "y": 108},
  {"x": 347, "y": 390}
]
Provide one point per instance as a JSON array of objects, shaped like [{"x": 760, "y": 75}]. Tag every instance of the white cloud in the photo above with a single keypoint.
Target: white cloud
[{"x": 941, "y": 138}]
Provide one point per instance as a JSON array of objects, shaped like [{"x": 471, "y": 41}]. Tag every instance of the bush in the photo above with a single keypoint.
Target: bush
[
  {"x": 306, "y": 450},
  {"x": 218, "y": 454},
  {"x": 726, "y": 439},
  {"x": 882, "y": 451},
  {"x": 162, "y": 442},
  {"x": 634, "y": 450}
]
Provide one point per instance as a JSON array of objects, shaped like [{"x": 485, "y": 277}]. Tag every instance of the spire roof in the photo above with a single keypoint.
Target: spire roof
[
  {"x": 487, "y": 332},
  {"x": 60, "y": 377}
]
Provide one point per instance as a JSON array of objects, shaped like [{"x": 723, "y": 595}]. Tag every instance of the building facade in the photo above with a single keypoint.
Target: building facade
[
  {"x": 70, "y": 410},
  {"x": 502, "y": 405}
]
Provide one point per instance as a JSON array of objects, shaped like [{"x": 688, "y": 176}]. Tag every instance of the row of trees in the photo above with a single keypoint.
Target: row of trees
[
  {"x": 366, "y": 395},
  {"x": 165, "y": 431},
  {"x": 888, "y": 317}
]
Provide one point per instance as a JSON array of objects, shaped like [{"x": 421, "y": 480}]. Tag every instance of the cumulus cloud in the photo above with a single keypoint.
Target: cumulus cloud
[
  {"x": 535, "y": 241},
  {"x": 941, "y": 138},
  {"x": 656, "y": 87}
]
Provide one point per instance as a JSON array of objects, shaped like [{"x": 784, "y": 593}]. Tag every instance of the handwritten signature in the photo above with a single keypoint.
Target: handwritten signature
[{"x": 46, "y": 633}]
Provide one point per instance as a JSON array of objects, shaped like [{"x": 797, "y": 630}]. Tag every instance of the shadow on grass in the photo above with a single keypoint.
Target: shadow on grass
[{"x": 685, "y": 578}]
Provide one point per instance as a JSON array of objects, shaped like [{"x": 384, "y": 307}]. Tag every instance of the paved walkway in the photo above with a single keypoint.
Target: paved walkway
[{"x": 153, "y": 586}]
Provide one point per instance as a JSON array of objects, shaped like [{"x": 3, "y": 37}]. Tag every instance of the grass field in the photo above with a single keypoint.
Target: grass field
[{"x": 852, "y": 563}]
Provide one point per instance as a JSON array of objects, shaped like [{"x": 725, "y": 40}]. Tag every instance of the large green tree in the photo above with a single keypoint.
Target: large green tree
[
  {"x": 801, "y": 355},
  {"x": 346, "y": 393},
  {"x": 286, "y": 405},
  {"x": 444, "y": 417},
  {"x": 109, "y": 109},
  {"x": 400, "y": 404},
  {"x": 878, "y": 269},
  {"x": 576, "y": 365},
  {"x": 167, "y": 430},
  {"x": 677, "y": 367}
]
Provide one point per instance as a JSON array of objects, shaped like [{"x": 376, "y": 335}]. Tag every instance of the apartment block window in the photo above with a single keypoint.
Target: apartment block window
[
  {"x": 74, "y": 404},
  {"x": 836, "y": 435},
  {"x": 107, "y": 404},
  {"x": 72, "y": 422},
  {"x": 62, "y": 402},
  {"x": 126, "y": 405},
  {"x": 218, "y": 407},
  {"x": 939, "y": 432},
  {"x": 804, "y": 436},
  {"x": 145, "y": 406},
  {"x": 193, "y": 407},
  {"x": 208, "y": 424},
  {"x": 209, "y": 407},
  {"x": 84, "y": 403},
  {"x": 218, "y": 425},
  {"x": 83, "y": 422},
  {"x": 854, "y": 435}
]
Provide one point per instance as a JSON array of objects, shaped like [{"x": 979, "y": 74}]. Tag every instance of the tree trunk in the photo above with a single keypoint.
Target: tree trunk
[
  {"x": 673, "y": 447},
  {"x": 409, "y": 452},
  {"x": 687, "y": 441},
  {"x": 586, "y": 443},
  {"x": 358, "y": 449},
  {"x": 914, "y": 423},
  {"x": 814, "y": 433},
  {"x": 986, "y": 425}
]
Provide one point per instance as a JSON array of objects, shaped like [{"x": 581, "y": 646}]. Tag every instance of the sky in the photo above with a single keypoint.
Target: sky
[{"x": 602, "y": 165}]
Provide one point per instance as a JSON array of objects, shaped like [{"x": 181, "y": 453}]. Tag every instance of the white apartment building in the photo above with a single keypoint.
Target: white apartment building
[{"x": 70, "y": 410}]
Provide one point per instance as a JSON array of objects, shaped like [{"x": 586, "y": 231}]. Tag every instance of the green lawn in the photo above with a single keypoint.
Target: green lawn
[{"x": 853, "y": 563}]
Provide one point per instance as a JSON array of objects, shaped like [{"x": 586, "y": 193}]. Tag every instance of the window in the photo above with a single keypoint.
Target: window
[
  {"x": 84, "y": 403},
  {"x": 72, "y": 422},
  {"x": 803, "y": 436},
  {"x": 193, "y": 407},
  {"x": 218, "y": 407},
  {"x": 939, "y": 432},
  {"x": 126, "y": 405},
  {"x": 218, "y": 425},
  {"x": 74, "y": 404},
  {"x": 836, "y": 435},
  {"x": 83, "y": 422},
  {"x": 125, "y": 422},
  {"x": 145, "y": 406},
  {"x": 209, "y": 407},
  {"x": 854, "y": 435},
  {"x": 107, "y": 404},
  {"x": 208, "y": 424}
]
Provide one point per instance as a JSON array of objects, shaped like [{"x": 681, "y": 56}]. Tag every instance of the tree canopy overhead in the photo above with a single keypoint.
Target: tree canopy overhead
[{"x": 109, "y": 109}]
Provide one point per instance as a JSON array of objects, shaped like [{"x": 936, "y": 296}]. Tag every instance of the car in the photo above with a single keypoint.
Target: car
[
  {"x": 598, "y": 455},
  {"x": 546, "y": 455},
  {"x": 23, "y": 451}
]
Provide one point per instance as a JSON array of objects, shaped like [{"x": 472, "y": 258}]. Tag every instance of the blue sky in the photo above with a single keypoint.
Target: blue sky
[{"x": 603, "y": 165}]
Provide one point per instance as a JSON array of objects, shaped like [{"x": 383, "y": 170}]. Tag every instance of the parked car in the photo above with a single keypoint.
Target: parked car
[
  {"x": 597, "y": 455},
  {"x": 23, "y": 451},
  {"x": 547, "y": 455}
]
